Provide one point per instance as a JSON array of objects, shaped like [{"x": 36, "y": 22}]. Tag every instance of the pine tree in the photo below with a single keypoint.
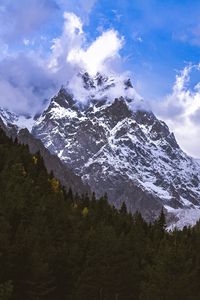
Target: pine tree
[{"x": 123, "y": 209}]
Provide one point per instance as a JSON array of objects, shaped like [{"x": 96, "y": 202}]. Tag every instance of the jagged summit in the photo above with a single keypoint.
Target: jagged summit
[
  {"x": 99, "y": 81},
  {"x": 85, "y": 88}
]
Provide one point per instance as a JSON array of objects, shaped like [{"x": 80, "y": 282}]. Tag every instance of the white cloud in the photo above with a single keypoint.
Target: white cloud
[
  {"x": 26, "y": 42},
  {"x": 94, "y": 59},
  {"x": 72, "y": 38},
  {"x": 72, "y": 54},
  {"x": 71, "y": 49},
  {"x": 25, "y": 18},
  {"x": 24, "y": 84},
  {"x": 181, "y": 109}
]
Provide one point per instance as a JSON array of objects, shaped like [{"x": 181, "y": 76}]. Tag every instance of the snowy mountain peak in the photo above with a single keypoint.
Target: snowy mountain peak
[
  {"x": 86, "y": 88},
  {"x": 97, "y": 82},
  {"x": 126, "y": 152},
  {"x": 99, "y": 128}
]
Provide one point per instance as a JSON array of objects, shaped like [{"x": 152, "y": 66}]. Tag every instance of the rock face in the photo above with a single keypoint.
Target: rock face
[{"x": 117, "y": 147}]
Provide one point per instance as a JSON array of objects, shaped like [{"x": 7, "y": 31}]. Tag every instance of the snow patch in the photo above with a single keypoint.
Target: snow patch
[{"x": 185, "y": 217}]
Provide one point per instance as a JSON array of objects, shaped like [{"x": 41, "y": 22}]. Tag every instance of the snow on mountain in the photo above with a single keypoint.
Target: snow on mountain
[
  {"x": 8, "y": 117},
  {"x": 103, "y": 133},
  {"x": 13, "y": 119}
]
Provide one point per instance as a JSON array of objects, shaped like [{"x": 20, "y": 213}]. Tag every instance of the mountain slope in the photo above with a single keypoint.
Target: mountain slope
[
  {"x": 65, "y": 175},
  {"x": 119, "y": 147},
  {"x": 52, "y": 163}
]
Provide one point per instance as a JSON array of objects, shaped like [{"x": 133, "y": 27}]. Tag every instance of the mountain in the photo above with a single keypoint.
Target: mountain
[
  {"x": 10, "y": 122},
  {"x": 117, "y": 145}
]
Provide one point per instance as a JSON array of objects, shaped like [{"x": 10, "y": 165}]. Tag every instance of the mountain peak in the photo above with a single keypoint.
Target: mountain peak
[
  {"x": 127, "y": 152},
  {"x": 103, "y": 82},
  {"x": 64, "y": 98},
  {"x": 86, "y": 88},
  {"x": 98, "y": 82}
]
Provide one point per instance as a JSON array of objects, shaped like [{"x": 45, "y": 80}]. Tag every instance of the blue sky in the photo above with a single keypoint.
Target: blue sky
[
  {"x": 155, "y": 41},
  {"x": 161, "y": 37}
]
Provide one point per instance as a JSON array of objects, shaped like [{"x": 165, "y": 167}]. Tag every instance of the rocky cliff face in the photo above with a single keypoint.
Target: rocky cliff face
[{"x": 117, "y": 147}]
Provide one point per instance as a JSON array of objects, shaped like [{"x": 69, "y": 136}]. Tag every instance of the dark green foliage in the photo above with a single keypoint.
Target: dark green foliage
[
  {"x": 123, "y": 209},
  {"x": 59, "y": 245}
]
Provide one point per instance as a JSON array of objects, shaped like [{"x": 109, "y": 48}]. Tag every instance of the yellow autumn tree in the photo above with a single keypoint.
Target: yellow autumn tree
[
  {"x": 35, "y": 160},
  {"x": 55, "y": 185},
  {"x": 85, "y": 212}
]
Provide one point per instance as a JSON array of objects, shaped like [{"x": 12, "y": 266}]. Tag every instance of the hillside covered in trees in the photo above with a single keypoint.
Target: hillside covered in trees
[{"x": 59, "y": 245}]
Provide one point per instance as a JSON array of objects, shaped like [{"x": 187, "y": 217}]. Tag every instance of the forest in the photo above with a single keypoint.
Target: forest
[{"x": 58, "y": 245}]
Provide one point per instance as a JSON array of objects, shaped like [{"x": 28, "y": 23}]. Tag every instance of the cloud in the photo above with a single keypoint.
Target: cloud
[
  {"x": 181, "y": 109},
  {"x": 94, "y": 59},
  {"x": 82, "y": 8},
  {"x": 71, "y": 48},
  {"x": 28, "y": 78},
  {"x": 24, "y": 84},
  {"x": 72, "y": 38},
  {"x": 18, "y": 19},
  {"x": 72, "y": 54}
]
